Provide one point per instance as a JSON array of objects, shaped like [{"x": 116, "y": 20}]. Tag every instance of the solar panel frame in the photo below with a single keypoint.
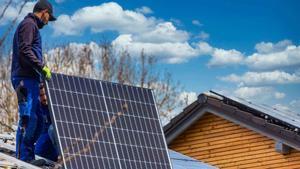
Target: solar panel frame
[{"x": 121, "y": 93}]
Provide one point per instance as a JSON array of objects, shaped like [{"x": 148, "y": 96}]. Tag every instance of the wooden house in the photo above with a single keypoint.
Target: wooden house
[{"x": 233, "y": 133}]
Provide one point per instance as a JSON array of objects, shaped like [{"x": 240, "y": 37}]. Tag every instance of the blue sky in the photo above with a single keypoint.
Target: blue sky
[{"x": 247, "y": 48}]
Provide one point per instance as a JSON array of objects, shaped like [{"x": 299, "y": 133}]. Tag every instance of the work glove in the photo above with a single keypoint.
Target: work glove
[{"x": 46, "y": 72}]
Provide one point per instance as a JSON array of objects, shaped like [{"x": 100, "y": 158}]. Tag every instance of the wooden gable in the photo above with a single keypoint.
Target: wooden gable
[{"x": 225, "y": 144}]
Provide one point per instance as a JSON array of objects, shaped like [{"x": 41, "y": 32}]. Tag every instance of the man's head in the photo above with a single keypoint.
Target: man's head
[{"x": 44, "y": 10}]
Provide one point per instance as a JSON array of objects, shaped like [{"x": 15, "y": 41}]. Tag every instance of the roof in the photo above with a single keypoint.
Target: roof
[
  {"x": 280, "y": 126},
  {"x": 7, "y": 158},
  {"x": 180, "y": 161}
]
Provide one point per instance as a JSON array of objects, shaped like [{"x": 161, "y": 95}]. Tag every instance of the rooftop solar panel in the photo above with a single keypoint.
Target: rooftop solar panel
[
  {"x": 106, "y": 125},
  {"x": 289, "y": 117}
]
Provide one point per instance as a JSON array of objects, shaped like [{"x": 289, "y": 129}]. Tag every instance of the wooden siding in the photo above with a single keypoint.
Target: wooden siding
[{"x": 224, "y": 144}]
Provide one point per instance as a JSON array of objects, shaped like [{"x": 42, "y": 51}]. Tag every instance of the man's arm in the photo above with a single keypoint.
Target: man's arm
[{"x": 26, "y": 35}]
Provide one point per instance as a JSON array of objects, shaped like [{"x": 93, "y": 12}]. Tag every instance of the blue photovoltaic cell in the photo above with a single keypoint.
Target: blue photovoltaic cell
[{"x": 106, "y": 125}]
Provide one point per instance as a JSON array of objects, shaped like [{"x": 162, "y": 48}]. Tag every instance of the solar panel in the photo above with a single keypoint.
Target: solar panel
[
  {"x": 106, "y": 125},
  {"x": 289, "y": 117}
]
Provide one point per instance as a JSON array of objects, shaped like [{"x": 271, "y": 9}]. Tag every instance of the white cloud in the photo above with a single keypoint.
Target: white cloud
[
  {"x": 281, "y": 107},
  {"x": 177, "y": 52},
  {"x": 144, "y": 10},
  {"x": 13, "y": 10},
  {"x": 59, "y": 1},
  {"x": 263, "y": 78},
  {"x": 279, "y": 95},
  {"x": 138, "y": 32},
  {"x": 203, "y": 35},
  {"x": 268, "y": 47},
  {"x": 204, "y": 48},
  {"x": 290, "y": 108},
  {"x": 260, "y": 94},
  {"x": 188, "y": 97},
  {"x": 169, "y": 52},
  {"x": 295, "y": 104},
  {"x": 257, "y": 95},
  {"x": 251, "y": 93},
  {"x": 271, "y": 56},
  {"x": 297, "y": 72},
  {"x": 163, "y": 32},
  {"x": 111, "y": 16},
  {"x": 107, "y": 16},
  {"x": 197, "y": 23},
  {"x": 221, "y": 57},
  {"x": 177, "y": 22}
]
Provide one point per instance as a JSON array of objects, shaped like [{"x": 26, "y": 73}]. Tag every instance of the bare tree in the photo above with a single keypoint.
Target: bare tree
[
  {"x": 5, "y": 8},
  {"x": 141, "y": 71},
  {"x": 126, "y": 73},
  {"x": 13, "y": 23},
  {"x": 86, "y": 65},
  {"x": 119, "y": 67},
  {"x": 61, "y": 60},
  {"x": 108, "y": 61},
  {"x": 8, "y": 99}
]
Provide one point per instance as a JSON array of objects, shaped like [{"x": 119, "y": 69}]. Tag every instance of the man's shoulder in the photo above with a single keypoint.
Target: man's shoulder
[{"x": 28, "y": 21}]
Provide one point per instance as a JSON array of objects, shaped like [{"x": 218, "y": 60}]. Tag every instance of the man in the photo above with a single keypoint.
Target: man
[{"x": 27, "y": 70}]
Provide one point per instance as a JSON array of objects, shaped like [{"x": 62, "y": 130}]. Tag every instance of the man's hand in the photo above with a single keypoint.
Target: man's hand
[
  {"x": 24, "y": 121},
  {"x": 46, "y": 72}
]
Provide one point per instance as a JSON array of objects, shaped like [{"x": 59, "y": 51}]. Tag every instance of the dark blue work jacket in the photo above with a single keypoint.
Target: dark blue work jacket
[{"x": 27, "y": 59}]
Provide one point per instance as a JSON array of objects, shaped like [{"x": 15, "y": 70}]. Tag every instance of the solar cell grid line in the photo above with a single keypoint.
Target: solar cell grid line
[
  {"x": 98, "y": 99},
  {"x": 133, "y": 126},
  {"x": 144, "y": 139},
  {"x": 79, "y": 160},
  {"x": 65, "y": 116},
  {"x": 124, "y": 125},
  {"x": 134, "y": 105},
  {"x": 148, "y": 150},
  {"x": 126, "y": 149},
  {"x": 150, "y": 125},
  {"x": 133, "y": 141},
  {"x": 106, "y": 164},
  {"x": 141, "y": 137},
  {"x": 166, "y": 155},
  {"x": 110, "y": 148},
  {"x": 110, "y": 123},
  {"x": 85, "y": 106},
  {"x": 51, "y": 93},
  {"x": 123, "y": 138},
  {"x": 144, "y": 95},
  {"x": 88, "y": 129},
  {"x": 77, "y": 163},
  {"x": 106, "y": 125},
  {"x": 73, "y": 149},
  {"x": 82, "y": 134}
]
